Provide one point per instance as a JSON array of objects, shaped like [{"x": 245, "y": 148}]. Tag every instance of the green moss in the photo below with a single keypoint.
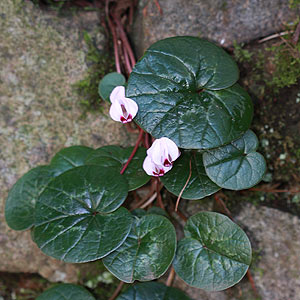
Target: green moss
[
  {"x": 99, "y": 64},
  {"x": 294, "y": 3}
]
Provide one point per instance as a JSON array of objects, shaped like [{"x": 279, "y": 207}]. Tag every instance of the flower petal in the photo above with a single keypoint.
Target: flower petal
[
  {"x": 117, "y": 93},
  {"x": 154, "y": 170},
  {"x": 163, "y": 152},
  {"x": 115, "y": 112},
  {"x": 131, "y": 106}
]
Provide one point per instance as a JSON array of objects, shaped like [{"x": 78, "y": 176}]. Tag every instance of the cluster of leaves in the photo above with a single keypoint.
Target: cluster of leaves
[
  {"x": 73, "y": 205},
  {"x": 142, "y": 291}
]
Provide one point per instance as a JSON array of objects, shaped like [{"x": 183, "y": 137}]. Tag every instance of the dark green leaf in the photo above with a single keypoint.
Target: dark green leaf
[
  {"x": 152, "y": 291},
  {"x": 116, "y": 157},
  {"x": 69, "y": 158},
  {"x": 147, "y": 252},
  {"x": 76, "y": 216},
  {"x": 157, "y": 211},
  {"x": 108, "y": 83},
  {"x": 183, "y": 87},
  {"x": 66, "y": 292},
  {"x": 236, "y": 166},
  {"x": 20, "y": 203},
  {"x": 199, "y": 185},
  {"x": 215, "y": 254}
]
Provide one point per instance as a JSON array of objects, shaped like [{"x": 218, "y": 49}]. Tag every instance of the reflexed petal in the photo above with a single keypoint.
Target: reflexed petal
[
  {"x": 115, "y": 112},
  {"x": 163, "y": 151},
  {"x": 131, "y": 106},
  {"x": 117, "y": 93},
  {"x": 173, "y": 150}
]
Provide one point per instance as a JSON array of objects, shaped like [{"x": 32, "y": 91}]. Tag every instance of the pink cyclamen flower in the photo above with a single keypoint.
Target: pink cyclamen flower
[
  {"x": 160, "y": 157},
  {"x": 163, "y": 152},
  {"x": 153, "y": 169},
  {"x": 122, "y": 109}
]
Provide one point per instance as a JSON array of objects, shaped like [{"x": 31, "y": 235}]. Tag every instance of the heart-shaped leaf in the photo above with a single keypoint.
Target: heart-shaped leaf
[
  {"x": 66, "y": 292},
  {"x": 69, "y": 158},
  {"x": 147, "y": 252},
  {"x": 236, "y": 166},
  {"x": 184, "y": 90},
  {"x": 214, "y": 255},
  {"x": 199, "y": 185},
  {"x": 76, "y": 216},
  {"x": 116, "y": 157},
  {"x": 20, "y": 203},
  {"x": 152, "y": 291},
  {"x": 108, "y": 83}
]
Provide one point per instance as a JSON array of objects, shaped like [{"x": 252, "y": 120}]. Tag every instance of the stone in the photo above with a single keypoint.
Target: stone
[
  {"x": 275, "y": 267},
  {"x": 221, "y": 21},
  {"x": 42, "y": 55}
]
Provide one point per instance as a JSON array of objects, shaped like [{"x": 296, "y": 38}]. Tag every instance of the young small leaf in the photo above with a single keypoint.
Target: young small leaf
[
  {"x": 199, "y": 185},
  {"x": 152, "y": 291},
  {"x": 108, "y": 83},
  {"x": 116, "y": 157},
  {"x": 236, "y": 166},
  {"x": 67, "y": 292},
  {"x": 147, "y": 252},
  {"x": 214, "y": 255},
  {"x": 20, "y": 203},
  {"x": 77, "y": 214}
]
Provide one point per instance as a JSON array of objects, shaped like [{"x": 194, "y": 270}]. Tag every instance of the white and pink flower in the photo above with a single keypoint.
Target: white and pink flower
[
  {"x": 160, "y": 157},
  {"x": 122, "y": 109}
]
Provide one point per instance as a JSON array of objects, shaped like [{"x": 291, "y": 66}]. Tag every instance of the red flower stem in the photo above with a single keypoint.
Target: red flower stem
[
  {"x": 159, "y": 200},
  {"x": 114, "y": 34},
  {"x": 133, "y": 151},
  {"x": 117, "y": 291},
  {"x": 125, "y": 40},
  {"x": 127, "y": 62}
]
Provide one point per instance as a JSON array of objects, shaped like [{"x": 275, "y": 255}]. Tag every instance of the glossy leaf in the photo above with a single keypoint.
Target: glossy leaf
[
  {"x": 189, "y": 96},
  {"x": 69, "y": 158},
  {"x": 77, "y": 215},
  {"x": 108, "y": 83},
  {"x": 236, "y": 166},
  {"x": 152, "y": 291},
  {"x": 20, "y": 203},
  {"x": 199, "y": 185},
  {"x": 66, "y": 292},
  {"x": 215, "y": 254},
  {"x": 147, "y": 252},
  {"x": 116, "y": 157}
]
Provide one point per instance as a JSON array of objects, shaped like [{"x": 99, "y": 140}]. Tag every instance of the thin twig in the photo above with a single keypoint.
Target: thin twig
[
  {"x": 117, "y": 291},
  {"x": 170, "y": 277},
  {"x": 133, "y": 151},
  {"x": 151, "y": 199},
  {"x": 181, "y": 192},
  {"x": 274, "y": 36}
]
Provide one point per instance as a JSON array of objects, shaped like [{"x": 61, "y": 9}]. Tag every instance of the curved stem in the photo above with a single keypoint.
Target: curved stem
[
  {"x": 133, "y": 151},
  {"x": 117, "y": 291}
]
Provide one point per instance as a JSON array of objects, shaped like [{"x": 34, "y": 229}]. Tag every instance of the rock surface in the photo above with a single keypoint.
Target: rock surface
[
  {"x": 275, "y": 265},
  {"x": 41, "y": 56},
  {"x": 222, "y": 21}
]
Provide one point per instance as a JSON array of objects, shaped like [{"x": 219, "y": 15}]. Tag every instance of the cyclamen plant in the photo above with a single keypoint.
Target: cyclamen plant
[{"x": 182, "y": 94}]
